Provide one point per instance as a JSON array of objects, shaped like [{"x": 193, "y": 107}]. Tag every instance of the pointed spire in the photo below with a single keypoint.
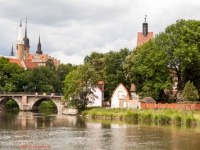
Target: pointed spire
[
  {"x": 39, "y": 51},
  {"x": 20, "y": 23},
  {"x": 12, "y": 53},
  {"x": 145, "y": 27},
  {"x": 39, "y": 39},
  {"x": 26, "y": 28},
  {"x": 19, "y": 37},
  {"x": 26, "y": 40}
]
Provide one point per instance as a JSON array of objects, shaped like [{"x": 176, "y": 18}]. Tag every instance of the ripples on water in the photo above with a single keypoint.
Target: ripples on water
[{"x": 60, "y": 132}]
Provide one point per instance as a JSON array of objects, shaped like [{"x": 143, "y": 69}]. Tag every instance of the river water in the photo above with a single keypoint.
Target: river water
[{"x": 33, "y": 130}]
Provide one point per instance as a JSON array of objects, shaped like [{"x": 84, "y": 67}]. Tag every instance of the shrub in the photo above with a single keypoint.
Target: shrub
[
  {"x": 177, "y": 119},
  {"x": 190, "y": 92}
]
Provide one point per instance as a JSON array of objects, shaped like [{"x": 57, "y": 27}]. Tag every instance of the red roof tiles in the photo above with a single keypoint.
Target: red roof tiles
[
  {"x": 30, "y": 65},
  {"x": 17, "y": 61}
]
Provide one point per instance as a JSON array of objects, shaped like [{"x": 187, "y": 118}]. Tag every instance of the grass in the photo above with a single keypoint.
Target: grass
[{"x": 146, "y": 115}]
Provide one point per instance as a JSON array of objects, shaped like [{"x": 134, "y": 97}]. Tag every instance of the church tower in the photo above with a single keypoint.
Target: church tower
[
  {"x": 39, "y": 51},
  {"x": 145, "y": 35},
  {"x": 26, "y": 43},
  {"x": 20, "y": 44}
]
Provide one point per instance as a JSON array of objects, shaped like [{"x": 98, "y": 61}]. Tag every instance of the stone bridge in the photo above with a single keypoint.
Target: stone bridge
[{"x": 30, "y": 102}]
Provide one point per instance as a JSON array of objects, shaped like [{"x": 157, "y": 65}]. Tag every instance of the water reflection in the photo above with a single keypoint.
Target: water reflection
[{"x": 59, "y": 131}]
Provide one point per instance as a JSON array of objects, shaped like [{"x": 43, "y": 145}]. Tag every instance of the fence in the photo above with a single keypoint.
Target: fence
[{"x": 171, "y": 106}]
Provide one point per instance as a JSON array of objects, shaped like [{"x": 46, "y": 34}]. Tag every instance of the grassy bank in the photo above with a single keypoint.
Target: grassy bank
[{"x": 159, "y": 116}]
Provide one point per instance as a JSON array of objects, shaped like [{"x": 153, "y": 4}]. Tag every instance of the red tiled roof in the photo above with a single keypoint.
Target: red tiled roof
[
  {"x": 44, "y": 58},
  {"x": 30, "y": 65},
  {"x": 141, "y": 39},
  {"x": 17, "y": 61}
]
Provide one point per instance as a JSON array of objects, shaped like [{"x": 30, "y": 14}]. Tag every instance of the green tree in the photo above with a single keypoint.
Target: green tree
[
  {"x": 61, "y": 72},
  {"x": 113, "y": 71},
  {"x": 147, "y": 68},
  {"x": 79, "y": 86},
  {"x": 181, "y": 41},
  {"x": 41, "y": 78},
  {"x": 10, "y": 74},
  {"x": 50, "y": 64},
  {"x": 190, "y": 92},
  {"x": 97, "y": 61}
]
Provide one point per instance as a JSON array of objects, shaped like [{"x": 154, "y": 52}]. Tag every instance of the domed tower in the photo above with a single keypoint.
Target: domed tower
[
  {"x": 20, "y": 44},
  {"x": 145, "y": 27},
  {"x": 39, "y": 51},
  {"x": 26, "y": 43}
]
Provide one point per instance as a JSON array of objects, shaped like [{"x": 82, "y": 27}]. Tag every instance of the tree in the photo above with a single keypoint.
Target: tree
[
  {"x": 10, "y": 74},
  {"x": 79, "y": 86},
  {"x": 61, "y": 72},
  {"x": 190, "y": 92},
  {"x": 97, "y": 61},
  {"x": 50, "y": 64},
  {"x": 147, "y": 68},
  {"x": 113, "y": 71},
  {"x": 41, "y": 78},
  {"x": 181, "y": 41}
]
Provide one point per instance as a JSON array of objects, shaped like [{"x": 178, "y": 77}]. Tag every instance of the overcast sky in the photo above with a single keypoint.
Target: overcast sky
[{"x": 71, "y": 29}]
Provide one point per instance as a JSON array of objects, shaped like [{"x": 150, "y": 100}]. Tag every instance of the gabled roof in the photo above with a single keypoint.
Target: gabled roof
[
  {"x": 17, "y": 61},
  {"x": 123, "y": 87},
  {"x": 141, "y": 39}
]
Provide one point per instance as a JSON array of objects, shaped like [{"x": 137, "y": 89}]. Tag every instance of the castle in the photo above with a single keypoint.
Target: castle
[{"x": 23, "y": 56}]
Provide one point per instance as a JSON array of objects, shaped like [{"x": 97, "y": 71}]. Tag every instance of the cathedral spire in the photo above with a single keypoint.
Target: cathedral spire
[
  {"x": 26, "y": 40},
  {"x": 39, "y": 51},
  {"x": 19, "y": 37},
  {"x": 145, "y": 27},
  {"x": 12, "y": 53}
]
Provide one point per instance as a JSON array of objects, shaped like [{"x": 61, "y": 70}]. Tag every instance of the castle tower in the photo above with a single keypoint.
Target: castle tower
[
  {"x": 39, "y": 51},
  {"x": 20, "y": 44},
  {"x": 26, "y": 43},
  {"x": 145, "y": 35}
]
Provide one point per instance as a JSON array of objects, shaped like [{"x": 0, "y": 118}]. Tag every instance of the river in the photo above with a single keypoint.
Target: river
[{"x": 34, "y": 130}]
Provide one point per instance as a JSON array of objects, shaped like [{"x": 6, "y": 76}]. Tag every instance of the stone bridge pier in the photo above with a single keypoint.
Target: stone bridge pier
[{"x": 30, "y": 102}]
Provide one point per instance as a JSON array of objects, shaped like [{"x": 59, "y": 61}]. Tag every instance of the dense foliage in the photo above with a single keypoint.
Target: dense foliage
[
  {"x": 42, "y": 79},
  {"x": 190, "y": 92}
]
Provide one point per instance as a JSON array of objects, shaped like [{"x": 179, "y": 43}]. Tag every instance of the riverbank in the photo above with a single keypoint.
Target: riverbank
[{"x": 147, "y": 115}]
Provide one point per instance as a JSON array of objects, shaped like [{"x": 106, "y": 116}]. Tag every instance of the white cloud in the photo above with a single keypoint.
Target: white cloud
[{"x": 70, "y": 30}]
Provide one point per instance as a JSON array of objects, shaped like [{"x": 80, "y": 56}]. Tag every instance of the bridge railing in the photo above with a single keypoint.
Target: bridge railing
[{"x": 31, "y": 93}]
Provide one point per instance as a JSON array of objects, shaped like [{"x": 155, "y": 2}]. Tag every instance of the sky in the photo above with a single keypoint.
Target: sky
[{"x": 72, "y": 29}]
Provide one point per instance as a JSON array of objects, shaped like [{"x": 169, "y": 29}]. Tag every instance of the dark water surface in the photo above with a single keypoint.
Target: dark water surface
[{"x": 29, "y": 130}]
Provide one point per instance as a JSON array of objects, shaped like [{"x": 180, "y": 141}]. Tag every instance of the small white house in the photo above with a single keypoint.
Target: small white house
[
  {"x": 98, "y": 91},
  {"x": 120, "y": 95}
]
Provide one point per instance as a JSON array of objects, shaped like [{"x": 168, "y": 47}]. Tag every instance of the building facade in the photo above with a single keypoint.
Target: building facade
[{"x": 23, "y": 50}]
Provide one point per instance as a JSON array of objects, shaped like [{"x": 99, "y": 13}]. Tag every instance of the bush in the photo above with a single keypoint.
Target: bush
[
  {"x": 178, "y": 119},
  {"x": 189, "y": 93}
]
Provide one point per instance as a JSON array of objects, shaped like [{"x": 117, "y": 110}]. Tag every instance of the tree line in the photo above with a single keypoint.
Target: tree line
[{"x": 172, "y": 56}]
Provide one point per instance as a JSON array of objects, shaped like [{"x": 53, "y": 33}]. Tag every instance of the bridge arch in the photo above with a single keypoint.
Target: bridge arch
[
  {"x": 4, "y": 100},
  {"x": 36, "y": 104}
]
